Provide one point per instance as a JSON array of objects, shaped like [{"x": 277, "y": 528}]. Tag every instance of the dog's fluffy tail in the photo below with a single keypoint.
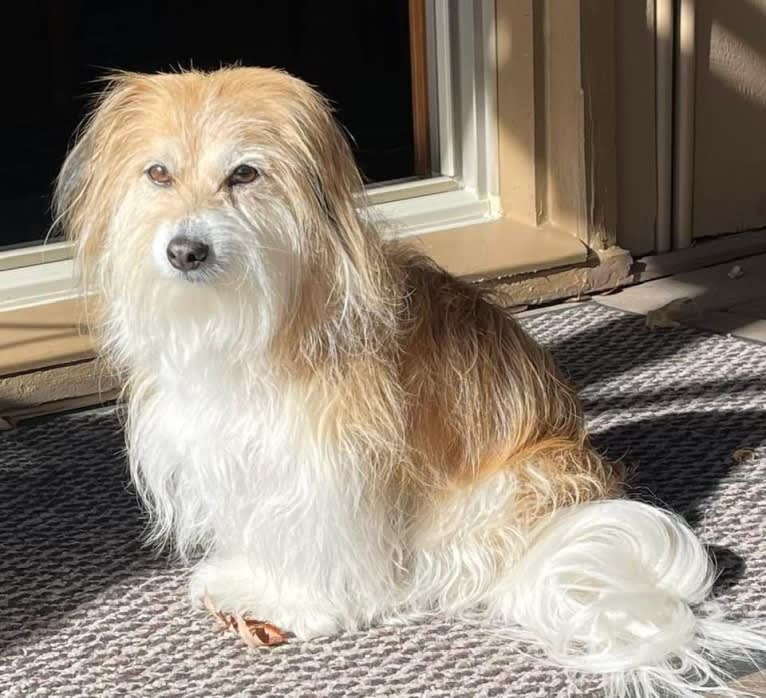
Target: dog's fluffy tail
[{"x": 622, "y": 589}]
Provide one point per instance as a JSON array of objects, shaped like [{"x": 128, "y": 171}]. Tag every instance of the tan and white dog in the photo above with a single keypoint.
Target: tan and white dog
[{"x": 339, "y": 432}]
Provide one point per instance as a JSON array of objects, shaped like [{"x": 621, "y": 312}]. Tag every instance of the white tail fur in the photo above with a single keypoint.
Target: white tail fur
[{"x": 623, "y": 589}]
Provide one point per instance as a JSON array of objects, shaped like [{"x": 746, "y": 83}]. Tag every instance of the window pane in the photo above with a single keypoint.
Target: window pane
[{"x": 356, "y": 52}]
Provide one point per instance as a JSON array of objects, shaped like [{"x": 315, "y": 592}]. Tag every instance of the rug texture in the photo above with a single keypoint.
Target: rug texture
[{"x": 85, "y": 610}]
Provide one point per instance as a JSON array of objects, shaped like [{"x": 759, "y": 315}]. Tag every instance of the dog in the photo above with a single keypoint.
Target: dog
[{"x": 336, "y": 431}]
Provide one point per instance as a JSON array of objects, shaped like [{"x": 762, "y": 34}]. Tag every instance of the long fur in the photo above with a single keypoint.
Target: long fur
[{"x": 338, "y": 432}]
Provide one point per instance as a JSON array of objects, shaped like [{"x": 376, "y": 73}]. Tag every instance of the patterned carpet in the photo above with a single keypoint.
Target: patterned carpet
[{"x": 86, "y": 611}]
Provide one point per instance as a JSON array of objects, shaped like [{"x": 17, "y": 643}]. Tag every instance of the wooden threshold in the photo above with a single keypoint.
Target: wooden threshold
[
  {"x": 55, "y": 388},
  {"x": 702, "y": 253},
  {"x": 43, "y": 335},
  {"x": 13, "y": 417}
]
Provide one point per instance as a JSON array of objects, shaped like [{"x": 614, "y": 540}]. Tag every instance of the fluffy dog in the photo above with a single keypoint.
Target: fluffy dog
[{"x": 339, "y": 432}]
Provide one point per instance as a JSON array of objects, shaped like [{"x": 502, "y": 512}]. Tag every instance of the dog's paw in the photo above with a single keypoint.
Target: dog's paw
[
  {"x": 306, "y": 624},
  {"x": 235, "y": 593},
  {"x": 264, "y": 626}
]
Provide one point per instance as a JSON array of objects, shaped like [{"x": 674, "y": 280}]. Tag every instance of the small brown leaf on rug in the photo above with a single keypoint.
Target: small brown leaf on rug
[
  {"x": 258, "y": 633},
  {"x": 255, "y": 633}
]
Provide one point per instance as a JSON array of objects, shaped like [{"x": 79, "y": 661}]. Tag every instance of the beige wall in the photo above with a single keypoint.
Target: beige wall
[
  {"x": 729, "y": 153},
  {"x": 730, "y": 117},
  {"x": 635, "y": 93}
]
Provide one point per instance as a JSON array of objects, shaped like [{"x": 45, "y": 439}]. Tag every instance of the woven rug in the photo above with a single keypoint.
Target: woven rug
[{"x": 85, "y": 610}]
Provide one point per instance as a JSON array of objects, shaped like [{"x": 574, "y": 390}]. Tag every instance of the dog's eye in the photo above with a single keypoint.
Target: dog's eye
[
  {"x": 244, "y": 174},
  {"x": 159, "y": 175}
]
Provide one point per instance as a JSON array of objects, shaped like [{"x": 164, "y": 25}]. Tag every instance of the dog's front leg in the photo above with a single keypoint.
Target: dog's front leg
[{"x": 237, "y": 585}]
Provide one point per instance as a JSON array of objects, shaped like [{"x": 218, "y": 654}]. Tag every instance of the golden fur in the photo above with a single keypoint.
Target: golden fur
[{"x": 479, "y": 394}]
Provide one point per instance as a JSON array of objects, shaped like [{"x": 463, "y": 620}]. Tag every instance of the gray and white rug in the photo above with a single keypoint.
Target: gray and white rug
[{"x": 85, "y": 610}]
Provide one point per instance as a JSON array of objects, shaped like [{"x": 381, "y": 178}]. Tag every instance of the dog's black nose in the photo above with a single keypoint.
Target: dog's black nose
[{"x": 186, "y": 254}]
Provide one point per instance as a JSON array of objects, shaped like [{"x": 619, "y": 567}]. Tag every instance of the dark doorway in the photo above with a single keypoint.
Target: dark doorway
[{"x": 355, "y": 51}]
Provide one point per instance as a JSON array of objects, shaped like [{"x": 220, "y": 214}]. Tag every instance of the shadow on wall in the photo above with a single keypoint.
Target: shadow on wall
[{"x": 730, "y": 153}]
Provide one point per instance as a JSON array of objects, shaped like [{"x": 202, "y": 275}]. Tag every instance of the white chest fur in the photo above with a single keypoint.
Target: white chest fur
[{"x": 241, "y": 464}]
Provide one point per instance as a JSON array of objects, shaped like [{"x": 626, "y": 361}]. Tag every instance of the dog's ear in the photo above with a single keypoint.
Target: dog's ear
[
  {"x": 71, "y": 183},
  {"x": 338, "y": 181},
  {"x": 83, "y": 191},
  {"x": 338, "y": 190}
]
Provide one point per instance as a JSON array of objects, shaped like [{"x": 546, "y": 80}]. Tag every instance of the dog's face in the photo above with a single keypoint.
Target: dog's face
[{"x": 190, "y": 190}]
